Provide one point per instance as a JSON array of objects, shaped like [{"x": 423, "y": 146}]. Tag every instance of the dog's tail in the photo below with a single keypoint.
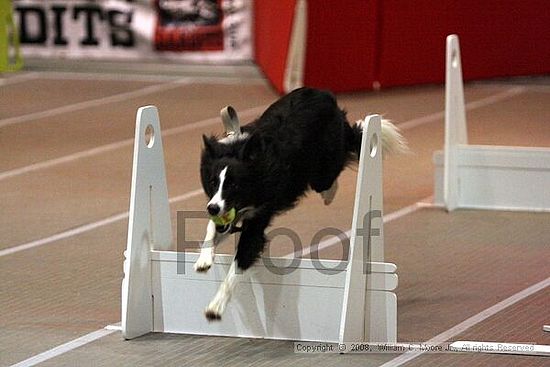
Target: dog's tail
[{"x": 392, "y": 140}]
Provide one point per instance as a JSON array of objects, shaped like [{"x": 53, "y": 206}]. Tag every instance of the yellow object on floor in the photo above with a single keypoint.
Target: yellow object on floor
[{"x": 10, "y": 55}]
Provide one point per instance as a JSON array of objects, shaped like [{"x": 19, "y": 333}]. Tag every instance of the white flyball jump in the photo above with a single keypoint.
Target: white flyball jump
[
  {"x": 162, "y": 293},
  {"x": 483, "y": 176}
]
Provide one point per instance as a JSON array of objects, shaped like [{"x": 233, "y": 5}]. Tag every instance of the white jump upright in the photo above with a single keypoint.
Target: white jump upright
[
  {"x": 455, "y": 121},
  {"x": 314, "y": 300},
  {"x": 368, "y": 313},
  {"x": 482, "y": 176},
  {"x": 149, "y": 223}
]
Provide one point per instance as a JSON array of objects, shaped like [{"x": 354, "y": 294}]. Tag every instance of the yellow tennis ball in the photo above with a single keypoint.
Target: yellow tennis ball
[{"x": 227, "y": 218}]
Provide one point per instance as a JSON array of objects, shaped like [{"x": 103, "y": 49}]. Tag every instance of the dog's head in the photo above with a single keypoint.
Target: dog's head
[{"x": 229, "y": 173}]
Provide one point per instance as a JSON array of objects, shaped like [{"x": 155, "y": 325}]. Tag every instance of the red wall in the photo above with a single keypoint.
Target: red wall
[
  {"x": 272, "y": 28},
  {"x": 353, "y": 43},
  {"x": 341, "y": 44},
  {"x": 497, "y": 38}
]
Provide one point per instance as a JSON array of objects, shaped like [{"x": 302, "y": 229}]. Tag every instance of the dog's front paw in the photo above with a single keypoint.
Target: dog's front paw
[{"x": 203, "y": 263}]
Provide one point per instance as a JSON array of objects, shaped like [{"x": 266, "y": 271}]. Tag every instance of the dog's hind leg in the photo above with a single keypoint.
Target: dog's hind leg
[
  {"x": 328, "y": 195},
  {"x": 208, "y": 248}
]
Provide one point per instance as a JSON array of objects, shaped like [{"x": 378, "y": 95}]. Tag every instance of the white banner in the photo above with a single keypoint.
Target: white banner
[{"x": 187, "y": 30}]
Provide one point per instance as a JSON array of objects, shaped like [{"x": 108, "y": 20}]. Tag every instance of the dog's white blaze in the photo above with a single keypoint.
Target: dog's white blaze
[{"x": 218, "y": 198}]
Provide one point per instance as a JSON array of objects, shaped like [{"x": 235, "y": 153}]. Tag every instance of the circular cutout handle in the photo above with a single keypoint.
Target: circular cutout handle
[
  {"x": 454, "y": 58},
  {"x": 149, "y": 136},
  {"x": 373, "y": 146}
]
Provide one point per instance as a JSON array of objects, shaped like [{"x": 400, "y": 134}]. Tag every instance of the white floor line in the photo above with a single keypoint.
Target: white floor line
[
  {"x": 94, "y": 102},
  {"x": 120, "y": 144},
  {"x": 424, "y": 203},
  {"x": 64, "y": 348},
  {"x": 116, "y": 326},
  {"x": 65, "y": 234},
  {"x": 483, "y": 102},
  {"x": 468, "y": 323},
  {"x": 544, "y": 88},
  {"x": 68, "y": 75},
  {"x": 116, "y": 145},
  {"x": 86, "y": 227},
  {"x": 63, "y": 75},
  {"x": 20, "y": 78},
  {"x": 226, "y": 81}
]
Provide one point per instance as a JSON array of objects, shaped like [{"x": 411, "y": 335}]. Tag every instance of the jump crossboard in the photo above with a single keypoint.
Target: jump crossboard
[
  {"x": 302, "y": 304},
  {"x": 498, "y": 178}
]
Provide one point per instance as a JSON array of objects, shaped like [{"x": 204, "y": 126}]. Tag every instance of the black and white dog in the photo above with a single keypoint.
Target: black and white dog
[{"x": 301, "y": 141}]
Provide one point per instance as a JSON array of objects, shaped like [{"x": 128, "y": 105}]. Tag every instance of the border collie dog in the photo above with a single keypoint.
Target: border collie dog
[{"x": 302, "y": 141}]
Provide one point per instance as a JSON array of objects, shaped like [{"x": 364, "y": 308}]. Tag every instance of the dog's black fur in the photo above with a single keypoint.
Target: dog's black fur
[{"x": 301, "y": 141}]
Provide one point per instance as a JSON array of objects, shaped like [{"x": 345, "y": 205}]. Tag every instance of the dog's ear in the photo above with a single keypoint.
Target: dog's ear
[
  {"x": 252, "y": 148},
  {"x": 209, "y": 144}
]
